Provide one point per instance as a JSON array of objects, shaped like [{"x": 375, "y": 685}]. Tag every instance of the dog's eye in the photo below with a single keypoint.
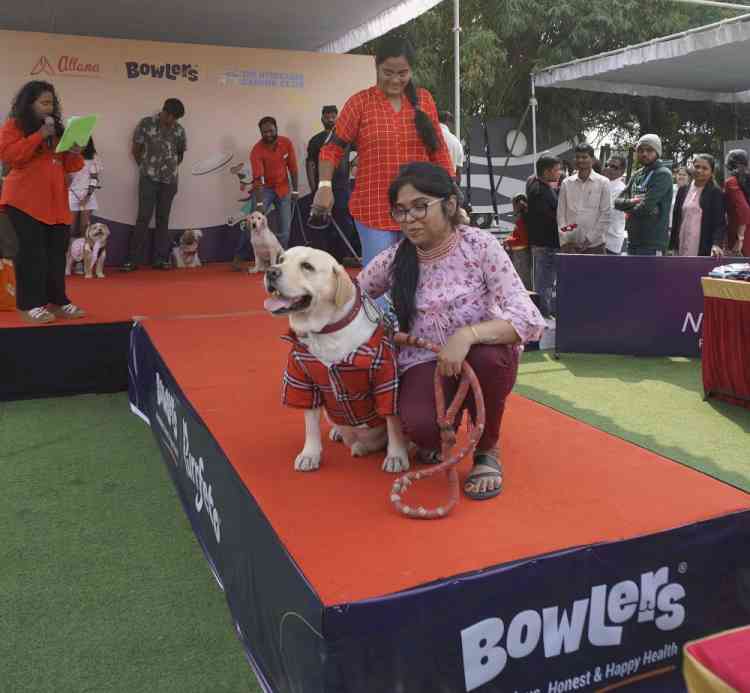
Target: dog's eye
[{"x": 307, "y": 266}]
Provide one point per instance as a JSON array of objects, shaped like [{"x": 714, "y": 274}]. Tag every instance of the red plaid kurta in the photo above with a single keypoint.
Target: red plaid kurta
[
  {"x": 385, "y": 141},
  {"x": 361, "y": 389}
]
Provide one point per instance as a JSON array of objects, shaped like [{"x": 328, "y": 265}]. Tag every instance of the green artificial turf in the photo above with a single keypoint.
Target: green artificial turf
[
  {"x": 654, "y": 402},
  {"x": 103, "y": 587}
]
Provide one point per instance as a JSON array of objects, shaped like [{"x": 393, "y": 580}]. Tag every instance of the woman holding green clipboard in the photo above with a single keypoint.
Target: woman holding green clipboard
[{"x": 35, "y": 198}]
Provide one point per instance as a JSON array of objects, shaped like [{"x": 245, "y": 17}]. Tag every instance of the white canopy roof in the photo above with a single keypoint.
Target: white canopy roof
[
  {"x": 709, "y": 63},
  {"x": 333, "y": 26}
]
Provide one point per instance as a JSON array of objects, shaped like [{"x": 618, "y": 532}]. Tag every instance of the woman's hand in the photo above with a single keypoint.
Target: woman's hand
[
  {"x": 454, "y": 351},
  {"x": 323, "y": 201},
  {"x": 47, "y": 129},
  {"x": 716, "y": 251}
]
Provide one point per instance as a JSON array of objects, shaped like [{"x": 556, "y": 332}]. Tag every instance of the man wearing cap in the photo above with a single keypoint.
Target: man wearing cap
[
  {"x": 647, "y": 200},
  {"x": 341, "y": 190}
]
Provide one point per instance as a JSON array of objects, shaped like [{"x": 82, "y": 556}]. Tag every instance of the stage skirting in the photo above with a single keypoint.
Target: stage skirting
[
  {"x": 592, "y": 569},
  {"x": 642, "y": 306},
  {"x": 726, "y": 342}
]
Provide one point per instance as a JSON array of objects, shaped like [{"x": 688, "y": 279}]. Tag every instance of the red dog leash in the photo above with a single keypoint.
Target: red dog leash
[{"x": 447, "y": 437}]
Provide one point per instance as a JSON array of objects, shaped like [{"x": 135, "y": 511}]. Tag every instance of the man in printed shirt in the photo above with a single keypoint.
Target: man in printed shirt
[
  {"x": 274, "y": 162},
  {"x": 159, "y": 144},
  {"x": 584, "y": 201}
]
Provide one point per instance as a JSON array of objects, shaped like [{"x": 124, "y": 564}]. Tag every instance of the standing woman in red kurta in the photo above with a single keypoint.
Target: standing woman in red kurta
[
  {"x": 391, "y": 124},
  {"x": 35, "y": 197},
  {"x": 737, "y": 191}
]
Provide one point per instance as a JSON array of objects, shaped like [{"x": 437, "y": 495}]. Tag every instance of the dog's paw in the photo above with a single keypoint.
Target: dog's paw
[
  {"x": 307, "y": 462},
  {"x": 253, "y": 270},
  {"x": 396, "y": 463},
  {"x": 336, "y": 436},
  {"x": 360, "y": 449},
  {"x": 89, "y": 276}
]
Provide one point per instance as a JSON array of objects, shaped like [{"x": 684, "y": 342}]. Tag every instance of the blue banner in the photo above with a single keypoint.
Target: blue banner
[{"x": 644, "y": 306}]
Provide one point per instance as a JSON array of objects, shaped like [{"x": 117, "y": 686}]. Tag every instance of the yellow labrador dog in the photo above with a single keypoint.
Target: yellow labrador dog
[
  {"x": 341, "y": 359},
  {"x": 266, "y": 247}
]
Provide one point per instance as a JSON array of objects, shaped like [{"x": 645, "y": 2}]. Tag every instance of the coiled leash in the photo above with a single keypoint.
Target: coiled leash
[{"x": 447, "y": 436}]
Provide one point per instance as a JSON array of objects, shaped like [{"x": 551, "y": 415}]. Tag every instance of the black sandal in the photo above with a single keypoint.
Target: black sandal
[{"x": 484, "y": 459}]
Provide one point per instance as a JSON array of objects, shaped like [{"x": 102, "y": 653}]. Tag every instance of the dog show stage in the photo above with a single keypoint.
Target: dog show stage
[{"x": 594, "y": 566}]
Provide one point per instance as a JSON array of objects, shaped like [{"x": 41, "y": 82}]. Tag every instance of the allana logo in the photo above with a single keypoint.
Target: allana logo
[
  {"x": 67, "y": 66},
  {"x": 166, "y": 71},
  {"x": 598, "y": 618}
]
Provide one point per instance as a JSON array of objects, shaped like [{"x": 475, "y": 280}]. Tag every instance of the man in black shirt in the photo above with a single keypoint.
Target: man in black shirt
[
  {"x": 341, "y": 191},
  {"x": 541, "y": 223}
]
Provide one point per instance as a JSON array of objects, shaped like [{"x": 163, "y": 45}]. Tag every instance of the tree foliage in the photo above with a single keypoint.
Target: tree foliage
[{"x": 503, "y": 41}]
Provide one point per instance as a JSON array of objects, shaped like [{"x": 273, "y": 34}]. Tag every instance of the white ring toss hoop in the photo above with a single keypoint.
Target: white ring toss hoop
[{"x": 211, "y": 164}]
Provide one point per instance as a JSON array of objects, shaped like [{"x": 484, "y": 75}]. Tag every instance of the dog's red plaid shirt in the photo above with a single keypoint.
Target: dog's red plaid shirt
[
  {"x": 385, "y": 141},
  {"x": 361, "y": 389}
]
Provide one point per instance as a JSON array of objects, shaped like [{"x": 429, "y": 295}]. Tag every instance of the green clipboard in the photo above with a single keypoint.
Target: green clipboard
[{"x": 78, "y": 132}]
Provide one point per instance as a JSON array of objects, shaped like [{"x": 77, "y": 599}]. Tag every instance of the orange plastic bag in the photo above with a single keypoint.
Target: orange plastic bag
[{"x": 7, "y": 285}]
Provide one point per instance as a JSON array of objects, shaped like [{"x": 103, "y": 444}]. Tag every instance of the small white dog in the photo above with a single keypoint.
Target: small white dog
[
  {"x": 185, "y": 253},
  {"x": 266, "y": 247},
  {"x": 91, "y": 249},
  {"x": 341, "y": 359}
]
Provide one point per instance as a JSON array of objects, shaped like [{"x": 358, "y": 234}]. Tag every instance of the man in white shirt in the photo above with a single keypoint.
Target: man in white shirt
[
  {"x": 584, "y": 206},
  {"x": 455, "y": 148},
  {"x": 615, "y": 171}
]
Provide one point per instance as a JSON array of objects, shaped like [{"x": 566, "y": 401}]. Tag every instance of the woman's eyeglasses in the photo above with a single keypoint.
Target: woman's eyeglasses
[{"x": 416, "y": 212}]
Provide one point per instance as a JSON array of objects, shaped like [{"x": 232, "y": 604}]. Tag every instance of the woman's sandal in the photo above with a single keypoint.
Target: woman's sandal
[{"x": 484, "y": 459}]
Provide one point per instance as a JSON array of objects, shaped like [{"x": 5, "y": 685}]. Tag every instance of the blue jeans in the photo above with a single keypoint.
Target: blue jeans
[
  {"x": 545, "y": 277},
  {"x": 375, "y": 241},
  {"x": 640, "y": 250},
  {"x": 284, "y": 207}
]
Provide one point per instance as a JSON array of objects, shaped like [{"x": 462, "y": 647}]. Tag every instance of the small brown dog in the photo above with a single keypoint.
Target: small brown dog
[
  {"x": 185, "y": 253},
  {"x": 91, "y": 249}
]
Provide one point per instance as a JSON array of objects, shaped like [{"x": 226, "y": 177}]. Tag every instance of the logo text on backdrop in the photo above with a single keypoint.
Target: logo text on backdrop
[{"x": 172, "y": 71}]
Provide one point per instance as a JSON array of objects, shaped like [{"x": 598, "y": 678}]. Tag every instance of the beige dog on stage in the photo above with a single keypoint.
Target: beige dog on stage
[
  {"x": 91, "y": 249},
  {"x": 330, "y": 321},
  {"x": 266, "y": 247}
]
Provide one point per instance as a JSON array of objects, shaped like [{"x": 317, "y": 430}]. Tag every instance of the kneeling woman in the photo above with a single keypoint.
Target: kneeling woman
[{"x": 454, "y": 286}]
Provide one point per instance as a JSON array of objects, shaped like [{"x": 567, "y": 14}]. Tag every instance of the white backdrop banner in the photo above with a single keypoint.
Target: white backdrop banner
[{"x": 225, "y": 92}]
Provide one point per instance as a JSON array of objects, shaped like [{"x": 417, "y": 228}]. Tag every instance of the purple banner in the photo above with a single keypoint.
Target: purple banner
[{"x": 646, "y": 306}]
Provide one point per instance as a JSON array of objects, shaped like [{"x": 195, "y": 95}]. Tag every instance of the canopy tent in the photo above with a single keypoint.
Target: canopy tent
[
  {"x": 708, "y": 63},
  {"x": 335, "y": 26}
]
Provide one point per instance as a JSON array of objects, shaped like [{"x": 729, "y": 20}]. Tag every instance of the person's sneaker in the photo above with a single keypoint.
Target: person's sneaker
[
  {"x": 70, "y": 311},
  {"x": 163, "y": 265},
  {"x": 38, "y": 315},
  {"x": 129, "y": 267}
]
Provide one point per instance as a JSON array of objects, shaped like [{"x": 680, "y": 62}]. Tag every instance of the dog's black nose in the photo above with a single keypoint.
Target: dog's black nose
[{"x": 273, "y": 273}]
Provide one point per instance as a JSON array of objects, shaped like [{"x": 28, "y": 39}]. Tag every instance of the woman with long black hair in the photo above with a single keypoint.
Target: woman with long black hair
[
  {"x": 391, "y": 124},
  {"x": 455, "y": 286},
  {"x": 35, "y": 197}
]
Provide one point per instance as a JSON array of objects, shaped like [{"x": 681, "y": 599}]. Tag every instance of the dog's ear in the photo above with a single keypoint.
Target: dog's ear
[{"x": 344, "y": 287}]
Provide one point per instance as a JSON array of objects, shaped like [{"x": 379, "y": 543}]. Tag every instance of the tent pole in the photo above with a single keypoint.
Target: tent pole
[
  {"x": 457, "y": 67},
  {"x": 533, "y": 104},
  {"x": 713, "y": 3}
]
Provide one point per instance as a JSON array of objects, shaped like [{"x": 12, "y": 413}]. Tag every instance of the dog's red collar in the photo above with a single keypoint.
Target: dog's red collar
[{"x": 340, "y": 324}]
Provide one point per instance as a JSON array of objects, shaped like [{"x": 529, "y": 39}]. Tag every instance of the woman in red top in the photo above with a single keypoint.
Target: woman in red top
[
  {"x": 391, "y": 124},
  {"x": 736, "y": 191},
  {"x": 35, "y": 197}
]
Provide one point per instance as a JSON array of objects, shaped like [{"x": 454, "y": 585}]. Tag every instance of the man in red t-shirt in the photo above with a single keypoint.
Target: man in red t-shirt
[{"x": 273, "y": 163}]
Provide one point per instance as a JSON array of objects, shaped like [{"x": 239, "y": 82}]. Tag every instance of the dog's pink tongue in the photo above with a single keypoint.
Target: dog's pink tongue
[{"x": 274, "y": 303}]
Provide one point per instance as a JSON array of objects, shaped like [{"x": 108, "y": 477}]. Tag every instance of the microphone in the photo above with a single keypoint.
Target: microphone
[{"x": 49, "y": 120}]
